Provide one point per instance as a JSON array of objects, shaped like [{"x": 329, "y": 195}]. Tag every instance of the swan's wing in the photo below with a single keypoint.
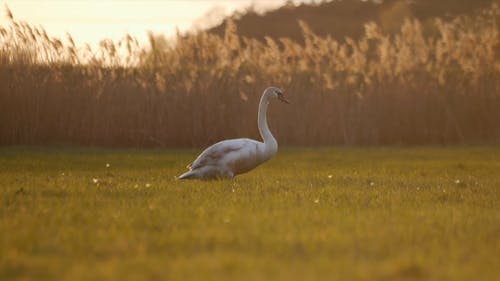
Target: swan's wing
[{"x": 215, "y": 153}]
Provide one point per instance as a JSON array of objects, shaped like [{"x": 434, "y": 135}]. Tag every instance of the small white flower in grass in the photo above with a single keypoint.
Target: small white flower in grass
[
  {"x": 95, "y": 180},
  {"x": 330, "y": 176},
  {"x": 148, "y": 185},
  {"x": 316, "y": 200},
  {"x": 372, "y": 183},
  {"x": 457, "y": 181},
  {"x": 107, "y": 165}
]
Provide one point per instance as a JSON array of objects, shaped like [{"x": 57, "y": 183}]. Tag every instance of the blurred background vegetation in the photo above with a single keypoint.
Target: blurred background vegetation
[{"x": 358, "y": 72}]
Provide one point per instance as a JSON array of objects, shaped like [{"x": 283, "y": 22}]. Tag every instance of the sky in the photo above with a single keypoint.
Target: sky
[{"x": 90, "y": 21}]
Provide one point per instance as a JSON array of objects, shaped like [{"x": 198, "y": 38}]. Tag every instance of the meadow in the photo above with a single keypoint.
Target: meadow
[{"x": 332, "y": 213}]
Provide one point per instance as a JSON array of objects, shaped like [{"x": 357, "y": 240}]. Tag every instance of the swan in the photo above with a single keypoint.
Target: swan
[{"x": 228, "y": 158}]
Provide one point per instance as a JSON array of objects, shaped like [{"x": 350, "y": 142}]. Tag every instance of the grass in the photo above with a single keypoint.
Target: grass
[{"x": 309, "y": 214}]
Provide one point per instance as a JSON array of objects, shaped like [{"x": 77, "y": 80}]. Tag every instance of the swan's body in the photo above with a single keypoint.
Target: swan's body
[{"x": 229, "y": 158}]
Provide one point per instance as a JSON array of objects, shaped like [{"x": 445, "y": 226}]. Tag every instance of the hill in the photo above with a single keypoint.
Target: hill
[{"x": 341, "y": 19}]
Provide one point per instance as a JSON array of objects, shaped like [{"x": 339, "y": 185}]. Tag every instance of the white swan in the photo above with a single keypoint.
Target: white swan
[{"x": 229, "y": 158}]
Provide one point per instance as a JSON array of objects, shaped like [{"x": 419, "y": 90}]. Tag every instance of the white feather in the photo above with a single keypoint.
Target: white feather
[{"x": 229, "y": 158}]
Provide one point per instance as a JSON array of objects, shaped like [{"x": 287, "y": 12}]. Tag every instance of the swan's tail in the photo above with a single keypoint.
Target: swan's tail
[{"x": 188, "y": 175}]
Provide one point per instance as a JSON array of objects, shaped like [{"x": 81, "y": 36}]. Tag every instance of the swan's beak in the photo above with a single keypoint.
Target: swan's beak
[{"x": 283, "y": 99}]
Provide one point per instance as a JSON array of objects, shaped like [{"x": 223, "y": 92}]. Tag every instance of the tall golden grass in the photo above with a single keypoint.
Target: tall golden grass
[{"x": 434, "y": 85}]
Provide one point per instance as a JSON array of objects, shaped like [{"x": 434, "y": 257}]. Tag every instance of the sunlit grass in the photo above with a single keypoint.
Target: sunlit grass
[{"x": 308, "y": 214}]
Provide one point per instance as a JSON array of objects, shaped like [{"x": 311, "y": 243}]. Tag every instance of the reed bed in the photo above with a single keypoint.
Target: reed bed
[{"x": 436, "y": 84}]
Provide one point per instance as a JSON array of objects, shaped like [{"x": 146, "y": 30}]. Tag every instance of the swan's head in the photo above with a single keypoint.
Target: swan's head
[{"x": 276, "y": 93}]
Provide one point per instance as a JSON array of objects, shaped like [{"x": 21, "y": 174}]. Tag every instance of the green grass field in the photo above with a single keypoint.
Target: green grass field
[{"x": 308, "y": 214}]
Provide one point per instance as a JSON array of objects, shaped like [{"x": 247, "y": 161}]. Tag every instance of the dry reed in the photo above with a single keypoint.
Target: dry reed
[{"x": 410, "y": 88}]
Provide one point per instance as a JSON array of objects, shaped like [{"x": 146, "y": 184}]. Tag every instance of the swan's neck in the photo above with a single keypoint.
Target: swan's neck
[{"x": 268, "y": 138}]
